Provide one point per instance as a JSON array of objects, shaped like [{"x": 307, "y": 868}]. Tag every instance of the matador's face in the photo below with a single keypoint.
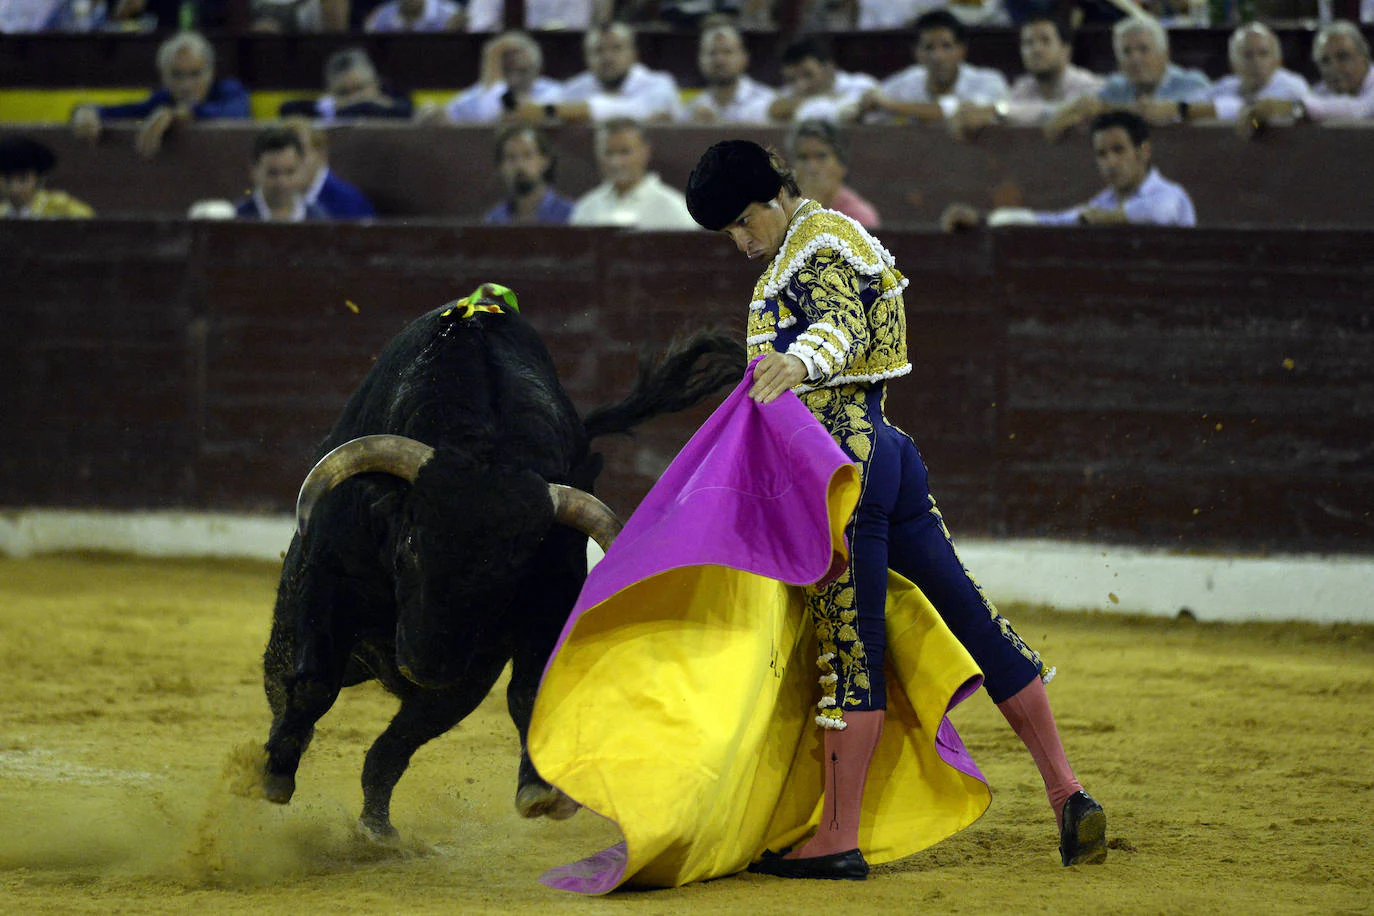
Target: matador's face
[{"x": 759, "y": 231}]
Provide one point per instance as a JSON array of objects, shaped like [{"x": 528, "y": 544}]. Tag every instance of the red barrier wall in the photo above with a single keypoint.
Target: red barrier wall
[{"x": 1205, "y": 389}]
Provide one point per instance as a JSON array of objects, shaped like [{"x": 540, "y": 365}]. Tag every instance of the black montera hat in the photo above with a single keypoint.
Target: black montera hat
[
  {"x": 23, "y": 154},
  {"x": 729, "y": 177}
]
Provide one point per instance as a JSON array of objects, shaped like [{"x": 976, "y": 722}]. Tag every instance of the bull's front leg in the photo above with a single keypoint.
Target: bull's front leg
[
  {"x": 547, "y": 604},
  {"x": 303, "y": 673}
]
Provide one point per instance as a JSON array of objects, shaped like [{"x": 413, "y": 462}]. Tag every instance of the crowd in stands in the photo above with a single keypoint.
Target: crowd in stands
[{"x": 618, "y": 94}]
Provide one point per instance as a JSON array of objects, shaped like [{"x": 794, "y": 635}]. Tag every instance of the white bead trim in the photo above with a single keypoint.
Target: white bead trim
[
  {"x": 757, "y": 305},
  {"x": 767, "y": 337},
  {"x": 825, "y": 240},
  {"x": 896, "y": 290},
  {"x": 829, "y": 347},
  {"x": 837, "y": 725},
  {"x": 1048, "y": 675},
  {"x": 788, "y": 321},
  {"x": 833, "y": 331},
  {"x": 856, "y": 379},
  {"x": 863, "y": 267}
]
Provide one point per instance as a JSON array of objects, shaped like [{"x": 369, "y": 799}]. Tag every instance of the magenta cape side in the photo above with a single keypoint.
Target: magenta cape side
[{"x": 679, "y": 700}]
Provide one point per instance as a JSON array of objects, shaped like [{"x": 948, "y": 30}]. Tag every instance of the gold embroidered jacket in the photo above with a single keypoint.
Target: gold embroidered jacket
[
  {"x": 50, "y": 205},
  {"x": 832, "y": 296}
]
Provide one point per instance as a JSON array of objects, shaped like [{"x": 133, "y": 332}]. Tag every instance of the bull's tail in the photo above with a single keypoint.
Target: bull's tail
[{"x": 683, "y": 376}]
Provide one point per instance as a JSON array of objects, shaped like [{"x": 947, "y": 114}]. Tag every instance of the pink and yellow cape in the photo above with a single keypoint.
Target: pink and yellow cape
[{"x": 679, "y": 701}]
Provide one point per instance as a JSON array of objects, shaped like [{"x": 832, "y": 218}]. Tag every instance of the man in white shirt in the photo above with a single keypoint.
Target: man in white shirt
[
  {"x": 1136, "y": 193},
  {"x": 1051, "y": 79},
  {"x": 630, "y": 196},
  {"x": 813, "y": 87},
  {"x": 940, "y": 82},
  {"x": 572, "y": 15},
  {"x": 730, "y": 96},
  {"x": 1346, "y": 90},
  {"x": 1257, "y": 72},
  {"x": 512, "y": 74},
  {"x": 615, "y": 85}
]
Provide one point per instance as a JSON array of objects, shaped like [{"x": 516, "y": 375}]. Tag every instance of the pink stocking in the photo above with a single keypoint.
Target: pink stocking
[
  {"x": 847, "y": 755},
  {"x": 1030, "y": 717}
]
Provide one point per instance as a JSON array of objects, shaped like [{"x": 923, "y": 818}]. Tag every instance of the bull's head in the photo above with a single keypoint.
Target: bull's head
[{"x": 464, "y": 535}]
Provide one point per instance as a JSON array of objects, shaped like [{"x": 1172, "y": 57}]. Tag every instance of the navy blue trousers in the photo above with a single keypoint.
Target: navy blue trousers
[{"x": 897, "y": 526}]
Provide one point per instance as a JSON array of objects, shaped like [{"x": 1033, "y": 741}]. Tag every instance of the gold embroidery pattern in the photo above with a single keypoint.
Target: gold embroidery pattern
[
  {"x": 843, "y": 659},
  {"x": 826, "y": 263}
]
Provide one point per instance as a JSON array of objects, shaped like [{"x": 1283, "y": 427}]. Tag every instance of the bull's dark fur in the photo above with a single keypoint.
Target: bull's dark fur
[{"x": 442, "y": 583}]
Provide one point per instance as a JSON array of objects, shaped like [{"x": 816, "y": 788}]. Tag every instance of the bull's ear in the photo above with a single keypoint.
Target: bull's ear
[{"x": 584, "y": 473}]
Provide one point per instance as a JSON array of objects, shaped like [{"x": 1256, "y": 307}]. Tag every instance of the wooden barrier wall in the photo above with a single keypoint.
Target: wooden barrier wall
[
  {"x": 1304, "y": 176},
  {"x": 1198, "y": 390}
]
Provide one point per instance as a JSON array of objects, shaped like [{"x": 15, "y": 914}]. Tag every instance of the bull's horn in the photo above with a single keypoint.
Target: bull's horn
[
  {"x": 583, "y": 512},
  {"x": 390, "y": 454}
]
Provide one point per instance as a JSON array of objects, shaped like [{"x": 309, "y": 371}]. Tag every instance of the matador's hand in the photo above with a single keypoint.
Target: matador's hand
[{"x": 774, "y": 374}]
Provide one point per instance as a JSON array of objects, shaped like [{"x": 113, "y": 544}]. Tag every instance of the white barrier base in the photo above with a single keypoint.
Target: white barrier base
[{"x": 1324, "y": 589}]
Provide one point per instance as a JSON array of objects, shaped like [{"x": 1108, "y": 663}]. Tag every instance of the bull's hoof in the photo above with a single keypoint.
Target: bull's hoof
[
  {"x": 378, "y": 830},
  {"x": 278, "y": 787},
  {"x": 544, "y": 801}
]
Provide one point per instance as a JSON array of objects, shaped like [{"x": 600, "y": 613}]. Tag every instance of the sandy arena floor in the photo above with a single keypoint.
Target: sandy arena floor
[{"x": 1234, "y": 763}]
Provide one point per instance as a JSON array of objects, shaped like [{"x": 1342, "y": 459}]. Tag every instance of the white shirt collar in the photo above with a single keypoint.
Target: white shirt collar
[
  {"x": 312, "y": 193},
  {"x": 265, "y": 212}
]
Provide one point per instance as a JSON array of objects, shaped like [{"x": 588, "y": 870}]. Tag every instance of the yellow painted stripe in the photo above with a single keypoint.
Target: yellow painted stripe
[{"x": 48, "y": 106}]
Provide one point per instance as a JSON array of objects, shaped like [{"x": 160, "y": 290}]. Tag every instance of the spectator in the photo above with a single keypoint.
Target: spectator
[
  {"x": 820, "y": 158},
  {"x": 1146, "y": 74},
  {"x": 190, "y": 92},
  {"x": 730, "y": 96},
  {"x": 352, "y": 90},
  {"x": 52, "y": 16},
  {"x": 697, "y": 14},
  {"x": 322, "y": 188},
  {"x": 1256, "y": 73},
  {"x": 552, "y": 15},
  {"x": 1050, "y": 79},
  {"x": 1345, "y": 91},
  {"x": 24, "y": 167},
  {"x": 416, "y": 16},
  {"x": 278, "y": 179},
  {"x": 814, "y": 87},
  {"x": 525, "y": 161},
  {"x": 890, "y": 14},
  {"x": 616, "y": 85},
  {"x": 940, "y": 82},
  {"x": 630, "y": 196},
  {"x": 1136, "y": 193},
  {"x": 298, "y": 15},
  {"x": 512, "y": 74}
]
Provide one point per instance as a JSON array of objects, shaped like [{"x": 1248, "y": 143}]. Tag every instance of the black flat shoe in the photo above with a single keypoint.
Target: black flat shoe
[
  {"x": 1083, "y": 838},
  {"x": 843, "y": 866}
]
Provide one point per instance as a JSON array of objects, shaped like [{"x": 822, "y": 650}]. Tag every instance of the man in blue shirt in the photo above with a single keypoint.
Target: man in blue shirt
[
  {"x": 1146, "y": 75},
  {"x": 525, "y": 161},
  {"x": 189, "y": 92},
  {"x": 323, "y": 188},
  {"x": 1136, "y": 193},
  {"x": 278, "y": 173}
]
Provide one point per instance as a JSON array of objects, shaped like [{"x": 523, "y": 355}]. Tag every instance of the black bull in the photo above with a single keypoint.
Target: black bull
[{"x": 432, "y": 555}]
